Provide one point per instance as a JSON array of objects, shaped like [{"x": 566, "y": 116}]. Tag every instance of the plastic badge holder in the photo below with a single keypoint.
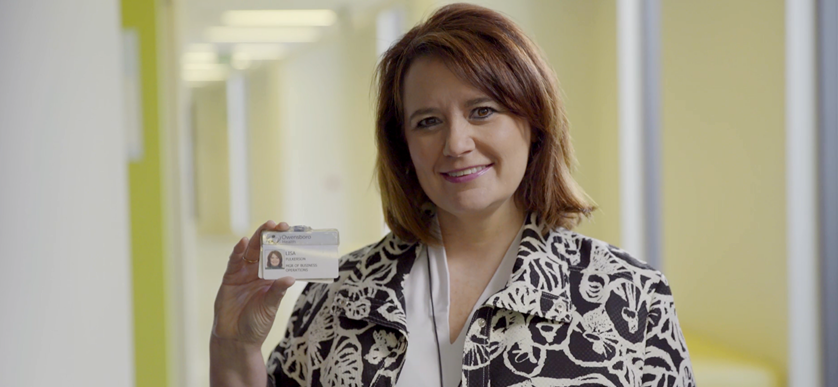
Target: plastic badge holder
[{"x": 300, "y": 252}]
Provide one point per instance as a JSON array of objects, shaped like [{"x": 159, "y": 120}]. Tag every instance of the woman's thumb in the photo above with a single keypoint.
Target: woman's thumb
[{"x": 277, "y": 290}]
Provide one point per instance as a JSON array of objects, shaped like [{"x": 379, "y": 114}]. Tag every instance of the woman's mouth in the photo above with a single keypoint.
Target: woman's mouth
[{"x": 466, "y": 174}]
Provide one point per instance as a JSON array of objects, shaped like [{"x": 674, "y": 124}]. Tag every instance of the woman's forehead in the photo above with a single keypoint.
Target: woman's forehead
[{"x": 430, "y": 80}]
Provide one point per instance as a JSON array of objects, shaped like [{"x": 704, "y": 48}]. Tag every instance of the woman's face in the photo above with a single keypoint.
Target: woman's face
[
  {"x": 468, "y": 151},
  {"x": 274, "y": 259}
]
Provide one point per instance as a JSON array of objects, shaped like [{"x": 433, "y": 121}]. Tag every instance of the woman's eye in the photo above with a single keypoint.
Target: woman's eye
[
  {"x": 483, "y": 112},
  {"x": 424, "y": 123}
]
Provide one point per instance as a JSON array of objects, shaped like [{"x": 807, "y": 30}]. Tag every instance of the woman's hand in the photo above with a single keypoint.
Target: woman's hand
[{"x": 246, "y": 306}]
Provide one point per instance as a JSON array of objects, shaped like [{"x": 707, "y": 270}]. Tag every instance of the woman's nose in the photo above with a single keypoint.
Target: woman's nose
[{"x": 459, "y": 141}]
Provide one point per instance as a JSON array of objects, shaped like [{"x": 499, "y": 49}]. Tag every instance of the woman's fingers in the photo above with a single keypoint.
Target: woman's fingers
[
  {"x": 235, "y": 261},
  {"x": 238, "y": 249},
  {"x": 277, "y": 291},
  {"x": 251, "y": 254},
  {"x": 245, "y": 306},
  {"x": 243, "y": 263},
  {"x": 244, "y": 259}
]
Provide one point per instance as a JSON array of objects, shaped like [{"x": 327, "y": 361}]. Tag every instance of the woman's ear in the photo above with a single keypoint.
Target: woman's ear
[{"x": 535, "y": 142}]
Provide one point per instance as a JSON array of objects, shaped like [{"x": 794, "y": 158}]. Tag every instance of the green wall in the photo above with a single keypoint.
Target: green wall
[{"x": 146, "y": 198}]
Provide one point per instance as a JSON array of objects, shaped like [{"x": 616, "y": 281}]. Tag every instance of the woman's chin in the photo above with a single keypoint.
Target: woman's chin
[{"x": 470, "y": 207}]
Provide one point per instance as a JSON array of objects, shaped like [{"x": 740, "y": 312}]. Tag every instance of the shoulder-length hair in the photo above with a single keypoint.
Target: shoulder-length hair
[{"x": 490, "y": 52}]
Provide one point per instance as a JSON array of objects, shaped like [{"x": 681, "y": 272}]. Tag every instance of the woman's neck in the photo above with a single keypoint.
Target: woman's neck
[{"x": 479, "y": 236}]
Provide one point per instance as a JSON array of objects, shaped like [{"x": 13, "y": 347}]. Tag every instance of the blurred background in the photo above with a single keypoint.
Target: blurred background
[{"x": 140, "y": 139}]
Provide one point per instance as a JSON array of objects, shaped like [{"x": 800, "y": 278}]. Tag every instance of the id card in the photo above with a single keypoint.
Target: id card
[{"x": 301, "y": 252}]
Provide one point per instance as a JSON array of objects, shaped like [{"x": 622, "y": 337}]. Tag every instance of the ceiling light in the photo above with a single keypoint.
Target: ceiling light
[
  {"x": 260, "y": 51},
  {"x": 277, "y": 17},
  {"x": 200, "y": 53},
  {"x": 201, "y": 47},
  {"x": 261, "y": 35},
  {"x": 203, "y": 66},
  {"x": 199, "y": 57},
  {"x": 208, "y": 75}
]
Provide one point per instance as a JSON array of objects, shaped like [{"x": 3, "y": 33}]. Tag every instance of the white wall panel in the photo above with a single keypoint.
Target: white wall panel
[{"x": 64, "y": 258}]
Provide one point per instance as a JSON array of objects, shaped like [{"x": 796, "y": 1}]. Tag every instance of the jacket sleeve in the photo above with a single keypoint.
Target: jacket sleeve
[
  {"x": 288, "y": 364},
  {"x": 667, "y": 361}
]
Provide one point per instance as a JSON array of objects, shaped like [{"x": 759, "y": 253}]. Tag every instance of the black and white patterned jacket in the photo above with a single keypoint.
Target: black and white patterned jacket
[{"x": 575, "y": 312}]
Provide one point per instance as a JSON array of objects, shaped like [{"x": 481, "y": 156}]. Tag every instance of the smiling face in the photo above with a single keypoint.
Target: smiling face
[
  {"x": 469, "y": 152},
  {"x": 275, "y": 260}
]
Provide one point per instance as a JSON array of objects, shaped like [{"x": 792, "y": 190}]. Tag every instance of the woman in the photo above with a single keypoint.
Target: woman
[
  {"x": 274, "y": 260},
  {"x": 480, "y": 282}
]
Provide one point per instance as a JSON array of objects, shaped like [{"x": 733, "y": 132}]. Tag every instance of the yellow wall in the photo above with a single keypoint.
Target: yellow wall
[
  {"x": 359, "y": 134},
  {"x": 580, "y": 41},
  {"x": 418, "y": 11},
  {"x": 146, "y": 201},
  {"x": 212, "y": 167},
  {"x": 723, "y": 171},
  {"x": 266, "y": 170},
  {"x": 325, "y": 133}
]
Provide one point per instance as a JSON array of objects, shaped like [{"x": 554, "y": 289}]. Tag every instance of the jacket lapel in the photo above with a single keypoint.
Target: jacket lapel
[
  {"x": 372, "y": 287},
  {"x": 539, "y": 284}
]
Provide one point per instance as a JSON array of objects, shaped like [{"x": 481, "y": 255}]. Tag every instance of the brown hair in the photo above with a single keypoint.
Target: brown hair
[{"x": 488, "y": 51}]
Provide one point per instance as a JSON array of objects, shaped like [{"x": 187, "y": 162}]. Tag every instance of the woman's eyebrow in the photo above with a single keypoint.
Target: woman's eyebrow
[{"x": 478, "y": 101}]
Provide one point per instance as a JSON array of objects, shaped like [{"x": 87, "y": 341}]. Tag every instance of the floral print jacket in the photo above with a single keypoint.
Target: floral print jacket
[{"x": 575, "y": 312}]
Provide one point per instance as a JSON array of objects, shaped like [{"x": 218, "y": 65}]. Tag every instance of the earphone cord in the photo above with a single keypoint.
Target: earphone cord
[{"x": 433, "y": 312}]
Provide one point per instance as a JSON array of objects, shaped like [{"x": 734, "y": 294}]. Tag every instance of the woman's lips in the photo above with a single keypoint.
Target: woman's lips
[{"x": 467, "y": 174}]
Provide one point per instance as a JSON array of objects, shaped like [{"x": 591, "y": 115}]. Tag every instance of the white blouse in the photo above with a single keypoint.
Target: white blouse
[{"x": 421, "y": 366}]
